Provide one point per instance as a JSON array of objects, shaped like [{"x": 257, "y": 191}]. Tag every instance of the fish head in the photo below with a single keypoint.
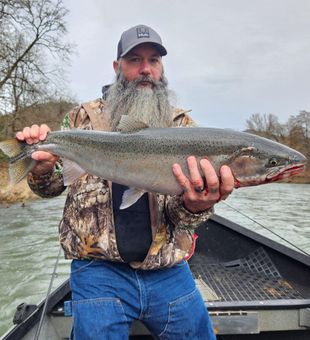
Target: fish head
[{"x": 265, "y": 163}]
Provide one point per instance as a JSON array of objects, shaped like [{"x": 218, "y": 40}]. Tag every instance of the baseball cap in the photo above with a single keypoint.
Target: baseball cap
[{"x": 137, "y": 35}]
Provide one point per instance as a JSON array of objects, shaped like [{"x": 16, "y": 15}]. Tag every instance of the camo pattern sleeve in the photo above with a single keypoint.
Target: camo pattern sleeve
[
  {"x": 178, "y": 215},
  {"x": 182, "y": 218},
  {"x": 182, "y": 119},
  {"x": 78, "y": 118},
  {"x": 47, "y": 185}
]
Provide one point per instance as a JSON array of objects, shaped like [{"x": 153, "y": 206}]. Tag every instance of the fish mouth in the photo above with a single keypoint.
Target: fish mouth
[
  {"x": 273, "y": 176},
  {"x": 286, "y": 172}
]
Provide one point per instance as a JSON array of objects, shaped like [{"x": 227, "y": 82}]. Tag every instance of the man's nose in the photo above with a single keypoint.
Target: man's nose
[{"x": 145, "y": 68}]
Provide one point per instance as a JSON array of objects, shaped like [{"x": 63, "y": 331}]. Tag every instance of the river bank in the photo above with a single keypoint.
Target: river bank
[{"x": 13, "y": 193}]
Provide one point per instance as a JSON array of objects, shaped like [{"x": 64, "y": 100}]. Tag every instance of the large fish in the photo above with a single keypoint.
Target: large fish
[{"x": 142, "y": 158}]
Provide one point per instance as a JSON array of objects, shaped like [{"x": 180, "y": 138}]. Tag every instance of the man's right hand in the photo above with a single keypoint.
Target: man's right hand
[{"x": 35, "y": 134}]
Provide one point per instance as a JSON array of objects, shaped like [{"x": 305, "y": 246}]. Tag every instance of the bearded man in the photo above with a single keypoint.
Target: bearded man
[{"x": 129, "y": 264}]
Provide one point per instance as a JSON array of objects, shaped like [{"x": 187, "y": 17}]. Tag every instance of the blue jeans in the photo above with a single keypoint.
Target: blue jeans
[{"x": 108, "y": 296}]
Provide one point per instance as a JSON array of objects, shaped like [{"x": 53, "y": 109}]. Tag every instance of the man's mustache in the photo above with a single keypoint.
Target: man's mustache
[{"x": 146, "y": 79}]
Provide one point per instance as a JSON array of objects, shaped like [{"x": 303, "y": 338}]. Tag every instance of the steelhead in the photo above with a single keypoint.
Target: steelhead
[{"x": 142, "y": 159}]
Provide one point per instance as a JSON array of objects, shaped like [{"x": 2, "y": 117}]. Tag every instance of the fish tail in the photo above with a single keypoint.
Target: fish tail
[{"x": 19, "y": 154}]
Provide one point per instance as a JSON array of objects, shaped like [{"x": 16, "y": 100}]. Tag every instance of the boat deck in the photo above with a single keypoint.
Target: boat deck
[{"x": 251, "y": 278}]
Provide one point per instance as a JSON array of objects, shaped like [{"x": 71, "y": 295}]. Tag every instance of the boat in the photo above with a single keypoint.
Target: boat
[{"x": 254, "y": 288}]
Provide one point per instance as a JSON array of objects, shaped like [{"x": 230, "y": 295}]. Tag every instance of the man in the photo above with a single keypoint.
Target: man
[{"x": 129, "y": 264}]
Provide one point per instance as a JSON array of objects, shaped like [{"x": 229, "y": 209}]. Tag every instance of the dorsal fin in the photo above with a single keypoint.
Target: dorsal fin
[{"x": 128, "y": 124}]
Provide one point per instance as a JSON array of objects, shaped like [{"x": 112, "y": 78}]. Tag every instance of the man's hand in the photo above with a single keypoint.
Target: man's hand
[
  {"x": 35, "y": 134},
  {"x": 200, "y": 194}
]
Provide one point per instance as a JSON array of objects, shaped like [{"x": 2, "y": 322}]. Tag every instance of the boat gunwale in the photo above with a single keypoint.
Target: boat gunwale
[
  {"x": 20, "y": 329},
  {"x": 265, "y": 241}
]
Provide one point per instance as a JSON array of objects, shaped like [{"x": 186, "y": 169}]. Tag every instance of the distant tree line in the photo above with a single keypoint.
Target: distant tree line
[
  {"x": 294, "y": 133},
  {"x": 32, "y": 54}
]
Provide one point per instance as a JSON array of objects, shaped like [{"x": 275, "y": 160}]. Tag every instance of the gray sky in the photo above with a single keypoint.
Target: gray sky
[{"x": 227, "y": 59}]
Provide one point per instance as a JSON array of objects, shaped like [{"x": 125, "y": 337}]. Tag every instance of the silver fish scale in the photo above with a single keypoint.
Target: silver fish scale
[{"x": 185, "y": 141}]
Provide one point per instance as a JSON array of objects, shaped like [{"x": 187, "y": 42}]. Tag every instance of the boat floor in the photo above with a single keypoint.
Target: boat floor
[{"x": 252, "y": 278}]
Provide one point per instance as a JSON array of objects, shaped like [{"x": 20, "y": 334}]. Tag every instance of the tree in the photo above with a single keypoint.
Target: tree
[
  {"x": 299, "y": 131},
  {"x": 266, "y": 125},
  {"x": 31, "y": 38}
]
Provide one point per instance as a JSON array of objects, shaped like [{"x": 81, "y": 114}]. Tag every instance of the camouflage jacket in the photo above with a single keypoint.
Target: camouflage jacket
[{"x": 87, "y": 227}]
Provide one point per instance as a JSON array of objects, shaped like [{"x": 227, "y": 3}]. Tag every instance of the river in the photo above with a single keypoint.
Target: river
[{"x": 29, "y": 237}]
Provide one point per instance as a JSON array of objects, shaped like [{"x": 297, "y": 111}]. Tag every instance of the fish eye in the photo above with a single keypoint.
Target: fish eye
[{"x": 273, "y": 161}]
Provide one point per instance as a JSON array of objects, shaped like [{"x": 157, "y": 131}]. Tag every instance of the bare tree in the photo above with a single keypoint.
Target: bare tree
[
  {"x": 31, "y": 38},
  {"x": 299, "y": 131},
  {"x": 266, "y": 125}
]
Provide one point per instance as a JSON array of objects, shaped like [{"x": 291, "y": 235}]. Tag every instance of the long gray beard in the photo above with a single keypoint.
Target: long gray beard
[{"x": 148, "y": 105}]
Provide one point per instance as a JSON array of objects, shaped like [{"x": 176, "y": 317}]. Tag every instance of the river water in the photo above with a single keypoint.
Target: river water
[{"x": 29, "y": 237}]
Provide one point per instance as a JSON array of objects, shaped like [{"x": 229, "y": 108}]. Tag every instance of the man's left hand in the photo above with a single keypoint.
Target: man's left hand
[{"x": 200, "y": 193}]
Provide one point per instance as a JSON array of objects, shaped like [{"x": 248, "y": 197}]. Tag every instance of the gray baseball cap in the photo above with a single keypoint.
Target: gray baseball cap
[{"x": 137, "y": 35}]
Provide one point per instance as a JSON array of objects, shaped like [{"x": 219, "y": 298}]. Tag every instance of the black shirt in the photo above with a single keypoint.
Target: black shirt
[{"x": 132, "y": 226}]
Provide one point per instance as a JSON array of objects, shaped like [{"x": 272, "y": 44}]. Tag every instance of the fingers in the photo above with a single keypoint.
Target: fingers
[
  {"x": 204, "y": 187},
  {"x": 195, "y": 196},
  {"x": 217, "y": 188},
  {"x": 44, "y": 130},
  {"x": 212, "y": 180},
  {"x": 195, "y": 176},
  {"x": 181, "y": 178},
  {"x": 43, "y": 156},
  {"x": 45, "y": 164},
  {"x": 33, "y": 134},
  {"x": 227, "y": 181}
]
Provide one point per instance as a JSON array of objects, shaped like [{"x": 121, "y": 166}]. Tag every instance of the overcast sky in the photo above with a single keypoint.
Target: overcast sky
[{"x": 227, "y": 59}]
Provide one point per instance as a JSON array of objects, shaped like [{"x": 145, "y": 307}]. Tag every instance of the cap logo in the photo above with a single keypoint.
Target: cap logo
[{"x": 143, "y": 32}]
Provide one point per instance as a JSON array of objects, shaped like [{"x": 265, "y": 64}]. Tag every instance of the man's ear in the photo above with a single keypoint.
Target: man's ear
[{"x": 115, "y": 65}]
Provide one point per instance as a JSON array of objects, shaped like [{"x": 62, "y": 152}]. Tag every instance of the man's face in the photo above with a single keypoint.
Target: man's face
[
  {"x": 143, "y": 60},
  {"x": 140, "y": 90}
]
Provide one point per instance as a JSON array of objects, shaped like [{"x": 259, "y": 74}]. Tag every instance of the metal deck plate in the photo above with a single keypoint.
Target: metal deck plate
[{"x": 254, "y": 277}]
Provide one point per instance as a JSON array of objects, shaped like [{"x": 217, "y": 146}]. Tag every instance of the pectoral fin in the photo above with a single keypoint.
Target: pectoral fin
[{"x": 130, "y": 197}]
